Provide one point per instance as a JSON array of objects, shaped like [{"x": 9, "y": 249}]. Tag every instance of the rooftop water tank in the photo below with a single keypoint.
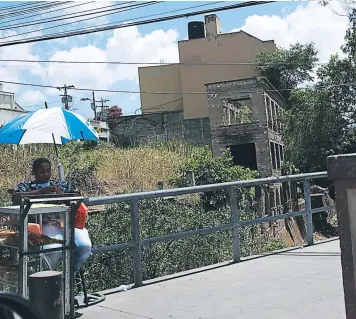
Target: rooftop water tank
[{"x": 196, "y": 30}]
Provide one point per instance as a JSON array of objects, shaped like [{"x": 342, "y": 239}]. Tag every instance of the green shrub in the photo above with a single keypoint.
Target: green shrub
[
  {"x": 274, "y": 244},
  {"x": 213, "y": 170},
  {"x": 160, "y": 217}
]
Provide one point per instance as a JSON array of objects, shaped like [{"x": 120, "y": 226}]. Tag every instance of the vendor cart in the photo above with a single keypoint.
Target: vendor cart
[{"x": 24, "y": 249}]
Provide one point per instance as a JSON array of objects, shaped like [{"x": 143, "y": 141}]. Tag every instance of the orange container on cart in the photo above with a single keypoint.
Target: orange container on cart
[
  {"x": 81, "y": 216},
  {"x": 34, "y": 228}
]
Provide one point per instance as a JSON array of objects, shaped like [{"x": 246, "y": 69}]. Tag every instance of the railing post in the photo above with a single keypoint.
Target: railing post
[
  {"x": 308, "y": 210},
  {"x": 135, "y": 231},
  {"x": 190, "y": 176},
  {"x": 235, "y": 225}
]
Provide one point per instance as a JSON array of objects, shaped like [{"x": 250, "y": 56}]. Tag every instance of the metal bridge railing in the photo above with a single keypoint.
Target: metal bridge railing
[{"x": 234, "y": 226}]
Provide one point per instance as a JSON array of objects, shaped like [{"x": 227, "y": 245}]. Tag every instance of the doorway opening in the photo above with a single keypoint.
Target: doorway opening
[{"x": 244, "y": 155}]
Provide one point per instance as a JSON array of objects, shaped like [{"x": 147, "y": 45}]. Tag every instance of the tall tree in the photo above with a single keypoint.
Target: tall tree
[
  {"x": 320, "y": 120},
  {"x": 313, "y": 130},
  {"x": 338, "y": 77},
  {"x": 288, "y": 68}
]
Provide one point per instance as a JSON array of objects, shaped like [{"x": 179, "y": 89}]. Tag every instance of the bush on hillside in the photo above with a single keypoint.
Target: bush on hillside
[
  {"x": 212, "y": 170},
  {"x": 104, "y": 169},
  {"x": 160, "y": 217}
]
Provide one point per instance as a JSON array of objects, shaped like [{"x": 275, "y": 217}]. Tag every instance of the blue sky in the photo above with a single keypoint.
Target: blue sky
[{"x": 285, "y": 22}]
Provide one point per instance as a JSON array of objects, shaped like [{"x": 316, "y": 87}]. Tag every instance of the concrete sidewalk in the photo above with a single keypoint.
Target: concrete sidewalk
[{"x": 303, "y": 283}]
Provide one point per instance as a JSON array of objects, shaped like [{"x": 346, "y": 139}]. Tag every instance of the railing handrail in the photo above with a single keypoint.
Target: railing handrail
[
  {"x": 137, "y": 243},
  {"x": 201, "y": 188}
]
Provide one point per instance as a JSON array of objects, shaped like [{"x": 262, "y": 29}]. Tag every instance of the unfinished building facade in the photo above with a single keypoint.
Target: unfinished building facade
[{"x": 245, "y": 116}]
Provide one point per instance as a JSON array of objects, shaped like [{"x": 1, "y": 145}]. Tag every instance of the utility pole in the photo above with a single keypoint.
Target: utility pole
[
  {"x": 66, "y": 98},
  {"x": 102, "y": 104},
  {"x": 94, "y": 105}
]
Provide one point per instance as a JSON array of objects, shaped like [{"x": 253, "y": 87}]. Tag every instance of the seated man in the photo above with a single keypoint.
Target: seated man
[{"x": 42, "y": 185}]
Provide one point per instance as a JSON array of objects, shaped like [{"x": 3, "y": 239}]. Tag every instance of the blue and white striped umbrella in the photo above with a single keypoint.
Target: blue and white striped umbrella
[{"x": 53, "y": 125}]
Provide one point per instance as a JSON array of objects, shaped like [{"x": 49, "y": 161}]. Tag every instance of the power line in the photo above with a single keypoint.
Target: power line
[
  {"x": 24, "y": 7},
  {"x": 107, "y": 24},
  {"x": 157, "y": 106},
  {"x": 35, "y": 15},
  {"x": 38, "y": 106},
  {"x": 167, "y": 92},
  {"x": 17, "y": 5},
  {"x": 66, "y": 17},
  {"x": 44, "y": 20},
  {"x": 31, "y": 9},
  {"x": 153, "y": 63},
  {"x": 50, "y": 102},
  {"x": 125, "y": 25}
]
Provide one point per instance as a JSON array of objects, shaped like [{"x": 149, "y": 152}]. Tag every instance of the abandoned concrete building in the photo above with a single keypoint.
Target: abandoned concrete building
[
  {"x": 245, "y": 117},
  {"x": 234, "y": 109}
]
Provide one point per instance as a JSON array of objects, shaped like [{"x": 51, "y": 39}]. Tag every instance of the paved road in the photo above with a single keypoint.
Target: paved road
[{"x": 303, "y": 283}]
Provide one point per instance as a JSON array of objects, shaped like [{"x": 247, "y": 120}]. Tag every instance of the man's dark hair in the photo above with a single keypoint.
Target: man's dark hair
[{"x": 38, "y": 162}]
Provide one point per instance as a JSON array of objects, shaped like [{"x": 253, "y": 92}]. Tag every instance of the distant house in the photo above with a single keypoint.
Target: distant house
[
  {"x": 102, "y": 129},
  {"x": 9, "y": 109}
]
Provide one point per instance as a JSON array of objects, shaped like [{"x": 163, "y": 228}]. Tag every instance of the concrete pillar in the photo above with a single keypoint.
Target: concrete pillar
[
  {"x": 342, "y": 171},
  {"x": 294, "y": 196},
  {"x": 190, "y": 178},
  {"x": 45, "y": 292},
  {"x": 260, "y": 201},
  {"x": 286, "y": 198},
  {"x": 267, "y": 201}
]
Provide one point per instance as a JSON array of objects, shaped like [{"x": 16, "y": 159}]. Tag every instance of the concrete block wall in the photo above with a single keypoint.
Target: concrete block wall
[{"x": 150, "y": 128}]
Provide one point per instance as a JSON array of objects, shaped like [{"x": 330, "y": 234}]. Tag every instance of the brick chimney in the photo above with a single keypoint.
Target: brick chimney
[{"x": 212, "y": 25}]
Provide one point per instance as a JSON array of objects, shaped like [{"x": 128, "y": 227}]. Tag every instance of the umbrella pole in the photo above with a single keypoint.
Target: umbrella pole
[{"x": 59, "y": 165}]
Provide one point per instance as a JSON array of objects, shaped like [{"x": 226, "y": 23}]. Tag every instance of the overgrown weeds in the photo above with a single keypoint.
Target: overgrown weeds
[{"x": 96, "y": 170}]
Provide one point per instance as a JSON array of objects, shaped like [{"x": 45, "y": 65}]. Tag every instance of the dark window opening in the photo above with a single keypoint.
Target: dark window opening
[
  {"x": 273, "y": 155},
  {"x": 244, "y": 155},
  {"x": 281, "y": 152},
  {"x": 278, "y": 154}
]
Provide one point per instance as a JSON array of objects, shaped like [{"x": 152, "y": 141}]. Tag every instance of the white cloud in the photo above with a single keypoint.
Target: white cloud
[
  {"x": 308, "y": 23},
  {"x": 31, "y": 97},
  {"x": 12, "y": 71},
  {"x": 126, "y": 44}
]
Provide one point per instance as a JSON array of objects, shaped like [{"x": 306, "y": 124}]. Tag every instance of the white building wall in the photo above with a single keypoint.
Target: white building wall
[
  {"x": 8, "y": 108},
  {"x": 8, "y": 115},
  {"x": 102, "y": 129}
]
